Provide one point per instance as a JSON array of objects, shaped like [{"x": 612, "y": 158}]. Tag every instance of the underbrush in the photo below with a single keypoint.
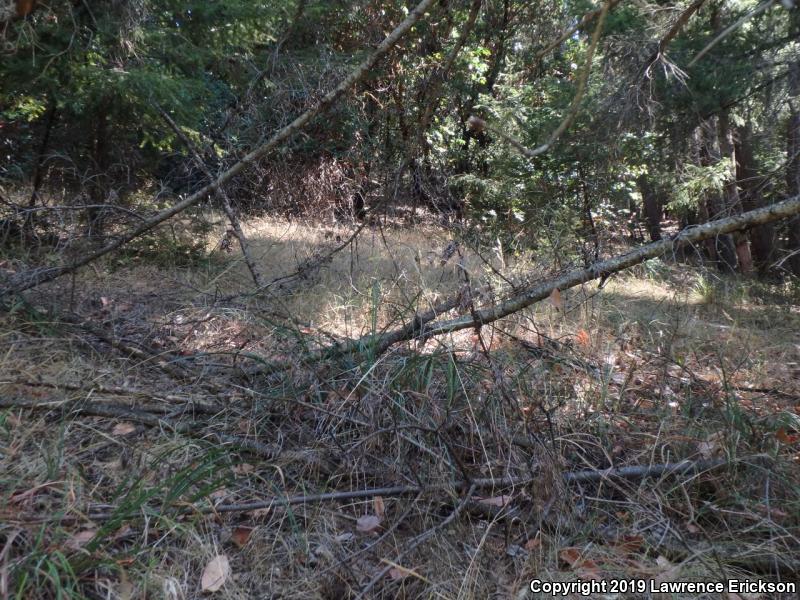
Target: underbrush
[{"x": 148, "y": 443}]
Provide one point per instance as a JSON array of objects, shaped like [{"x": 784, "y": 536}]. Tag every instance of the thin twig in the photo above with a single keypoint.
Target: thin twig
[
  {"x": 574, "y": 106},
  {"x": 590, "y": 475},
  {"x": 220, "y": 193}
]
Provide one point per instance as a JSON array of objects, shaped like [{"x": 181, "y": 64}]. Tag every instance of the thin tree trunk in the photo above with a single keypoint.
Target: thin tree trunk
[
  {"x": 724, "y": 250},
  {"x": 762, "y": 238},
  {"x": 733, "y": 203},
  {"x": 220, "y": 193},
  {"x": 38, "y": 171},
  {"x": 98, "y": 188},
  {"x": 652, "y": 205},
  {"x": 793, "y": 163}
]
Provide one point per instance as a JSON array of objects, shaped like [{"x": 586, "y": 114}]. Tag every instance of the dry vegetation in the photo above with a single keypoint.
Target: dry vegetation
[{"x": 154, "y": 437}]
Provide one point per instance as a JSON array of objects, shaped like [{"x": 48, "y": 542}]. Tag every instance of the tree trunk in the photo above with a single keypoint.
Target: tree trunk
[
  {"x": 733, "y": 203},
  {"x": 724, "y": 250},
  {"x": 653, "y": 208},
  {"x": 38, "y": 171},
  {"x": 793, "y": 163},
  {"x": 98, "y": 186},
  {"x": 751, "y": 193}
]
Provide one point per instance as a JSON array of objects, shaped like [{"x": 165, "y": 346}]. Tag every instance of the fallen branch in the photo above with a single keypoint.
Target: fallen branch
[
  {"x": 592, "y": 475},
  {"x": 603, "y": 269},
  {"x": 30, "y": 279},
  {"x": 100, "y": 409},
  {"x": 220, "y": 193},
  {"x": 175, "y": 401},
  {"x": 425, "y": 325}
]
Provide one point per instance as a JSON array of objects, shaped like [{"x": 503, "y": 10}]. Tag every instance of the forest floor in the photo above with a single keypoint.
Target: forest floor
[{"x": 148, "y": 451}]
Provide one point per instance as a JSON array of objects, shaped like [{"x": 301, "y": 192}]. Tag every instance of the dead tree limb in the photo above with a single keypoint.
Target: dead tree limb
[
  {"x": 676, "y": 28},
  {"x": 685, "y": 467},
  {"x": 604, "y": 268},
  {"x": 194, "y": 429},
  {"x": 585, "y": 20},
  {"x": 220, "y": 193},
  {"x": 32, "y": 278},
  {"x": 425, "y": 325}
]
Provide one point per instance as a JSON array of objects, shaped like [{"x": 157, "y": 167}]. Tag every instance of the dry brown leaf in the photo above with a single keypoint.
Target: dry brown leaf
[
  {"x": 241, "y": 535},
  {"x": 583, "y": 338},
  {"x": 124, "y": 428},
  {"x": 378, "y": 506},
  {"x": 368, "y": 523},
  {"x": 556, "y": 300},
  {"x": 80, "y": 539},
  {"x": 584, "y": 567},
  {"x": 533, "y": 543},
  {"x": 498, "y": 501},
  {"x": 395, "y": 573},
  {"x": 712, "y": 446},
  {"x": 786, "y": 438},
  {"x": 628, "y": 544},
  {"x": 243, "y": 469},
  {"x": 215, "y": 574},
  {"x": 571, "y": 556}
]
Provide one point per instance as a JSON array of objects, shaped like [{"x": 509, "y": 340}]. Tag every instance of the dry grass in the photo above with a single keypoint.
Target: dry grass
[{"x": 653, "y": 369}]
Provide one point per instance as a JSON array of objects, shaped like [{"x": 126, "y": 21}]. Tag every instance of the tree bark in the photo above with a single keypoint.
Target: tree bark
[
  {"x": 793, "y": 162},
  {"x": 751, "y": 184},
  {"x": 653, "y": 208},
  {"x": 733, "y": 203},
  {"x": 38, "y": 171},
  {"x": 722, "y": 250},
  {"x": 98, "y": 186}
]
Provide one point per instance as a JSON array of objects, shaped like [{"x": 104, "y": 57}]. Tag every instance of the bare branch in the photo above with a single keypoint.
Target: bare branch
[
  {"x": 574, "y": 107},
  {"x": 424, "y": 325},
  {"x": 221, "y": 194}
]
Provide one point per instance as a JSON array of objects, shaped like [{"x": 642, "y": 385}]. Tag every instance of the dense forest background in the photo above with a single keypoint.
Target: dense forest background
[
  {"x": 690, "y": 110},
  {"x": 359, "y": 298}
]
